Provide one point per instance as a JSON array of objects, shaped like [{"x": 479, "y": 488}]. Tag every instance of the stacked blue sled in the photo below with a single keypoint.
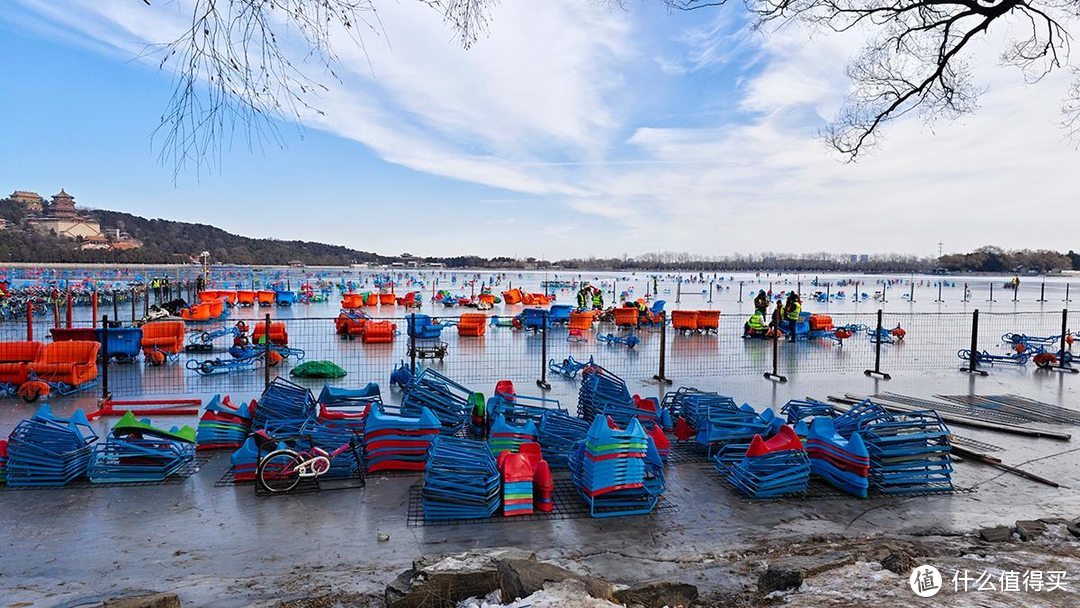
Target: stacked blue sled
[
  {"x": 46, "y": 450},
  {"x": 602, "y": 393},
  {"x": 449, "y": 401},
  {"x": 504, "y": 436},
  {"x": 773, "y": 468},
  {"x": 135, "y": 451},
  {"x": 283, "y": 409},
  {"x": 614, "y": 471},
  {"x": 843, "y": 463},
  {"x": 558, "y": 432},
  {"x": 909, "y": 454},
  {"x": 461, "y": 481}
]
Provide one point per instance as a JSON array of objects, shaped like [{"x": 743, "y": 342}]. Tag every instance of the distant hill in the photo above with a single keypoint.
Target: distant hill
[{"x": 164, "y": 241}]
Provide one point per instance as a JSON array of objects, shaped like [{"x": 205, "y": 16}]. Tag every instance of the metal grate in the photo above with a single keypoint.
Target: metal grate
[
  {"x": 973, "y": 444},
  {"x": 1015, "y": 405},
  {"x": 954, "y": 408},
  {"x": 688, "y": 452},
  {"x": 568, "y": 505}
]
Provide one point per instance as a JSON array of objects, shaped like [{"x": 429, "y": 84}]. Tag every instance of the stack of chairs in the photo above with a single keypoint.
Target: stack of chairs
[
  {"x": 608, "y": 469},
  {"x": 603, "y": 393},
  {"x": 3, "y": 460},
  {"x": 518, "y": 409},
  {"x": 773, "y": 468},
  {"x": 449, "y": 401},
  {"x": 843, "y": 463},
  {"x": 283, "y": 409},
  {"x": 461, "y": 481},
  {"x": 45, "y": 450},
  {"x": 558, "y": 432},
  {"x": 543, "y": 483},
  {"x": 222, "y": 425},
  {"x": 505, "y": 436},
  {"x": 909, "y": 453},
  {"x": 399, "y": 443},
  {"x": 136, "y": 451}
]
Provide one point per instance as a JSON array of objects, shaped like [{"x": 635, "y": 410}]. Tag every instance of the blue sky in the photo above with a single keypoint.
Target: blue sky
[{"x": 569, "y": 130}]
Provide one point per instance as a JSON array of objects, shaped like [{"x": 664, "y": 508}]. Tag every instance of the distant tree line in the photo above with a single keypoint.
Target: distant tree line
[{"x": 166, "y": 242}]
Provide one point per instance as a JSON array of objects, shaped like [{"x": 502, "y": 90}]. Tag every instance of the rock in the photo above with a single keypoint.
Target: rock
[
  {"x": 899, "y": 562},
  {"x": 789, "y": 572},
  {"x": 1030, "y": 529},
  {"x": 520, "y": 578},
  {"x": 153, "y": 600},
  {"x": 996, "y": 534},
  {"x": 658, "y": 595},
  {"x": 444, "y": 580},
  {"x": 1074, "y": 528}
]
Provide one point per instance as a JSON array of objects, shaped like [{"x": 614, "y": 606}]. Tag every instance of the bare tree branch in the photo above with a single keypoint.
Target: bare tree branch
[{"x": 236, "y": 71}]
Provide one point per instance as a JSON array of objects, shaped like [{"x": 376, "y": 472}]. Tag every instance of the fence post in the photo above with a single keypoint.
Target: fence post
[
  {"x": 660, "y": 377},
  {"x": 105, "y": 395},
  {"x": 973, "y": 360},
  {"x": 965, "y": 293},
  {"x": 1063, "y": 365},
  {"x": 1016, "y": 291},
  {"x": 1067, "y": 292},
  {"x": 740, "y": 291},
  {"x": 542, "y": 382},
  {"x": 774, "y": 375},
  {"x": 115, "y": 308},
  {"x": 939, "y": 292},
  {"x": 876, "y": 372},
  {"x": 94, "y": 307},
  {"x": 146, "y": 302},
  {"x": 711, "y": 288},
  {"x": 1042, "y": 292},
  {"x": 266, "y": 354},
  {"x": 885, "y": 292},
  {"x": 911, "y": 295},
  {"x": 828, "y": 292},
  {"x": 856, "y": 298},
  {"x": 991, "y": 292},
  {"x": 410, "y": 328},
  {"x": 678, "y": 290},
  {"x": 30, "y": 322}
]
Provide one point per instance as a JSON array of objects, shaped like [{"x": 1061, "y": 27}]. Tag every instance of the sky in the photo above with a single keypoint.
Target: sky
[{"x": 569, "y": 129}]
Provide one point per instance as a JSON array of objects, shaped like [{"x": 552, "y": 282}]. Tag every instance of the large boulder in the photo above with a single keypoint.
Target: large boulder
[
  {"x": 788, "y": 572},
  {"x": 658, "y": 595},
  {"x": 444, "y": 580},
  {"x": 520, "y": 578}
]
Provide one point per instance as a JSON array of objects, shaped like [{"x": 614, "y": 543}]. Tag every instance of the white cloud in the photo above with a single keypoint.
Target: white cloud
[{"x": 548, "y": 109}]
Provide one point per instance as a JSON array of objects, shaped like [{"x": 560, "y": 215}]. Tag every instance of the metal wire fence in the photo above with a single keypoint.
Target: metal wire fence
[{"x": 906, "y": 343}]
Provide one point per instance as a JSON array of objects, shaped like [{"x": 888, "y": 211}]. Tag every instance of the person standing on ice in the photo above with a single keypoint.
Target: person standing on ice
[{"x": 761, "y": 301}]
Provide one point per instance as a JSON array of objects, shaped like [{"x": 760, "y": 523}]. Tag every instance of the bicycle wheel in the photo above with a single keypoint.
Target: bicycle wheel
[{"x": 278, "y": 471}]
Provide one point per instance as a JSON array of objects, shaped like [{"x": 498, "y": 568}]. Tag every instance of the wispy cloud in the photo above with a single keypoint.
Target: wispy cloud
[{"x": 556, "y": 109}]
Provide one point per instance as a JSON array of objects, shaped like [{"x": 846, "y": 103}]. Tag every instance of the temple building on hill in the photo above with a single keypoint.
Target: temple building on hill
[{"x": 61, "y": 218}]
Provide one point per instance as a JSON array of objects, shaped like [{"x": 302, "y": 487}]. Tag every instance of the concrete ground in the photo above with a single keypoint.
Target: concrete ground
[{"x": 223, "y": 546}]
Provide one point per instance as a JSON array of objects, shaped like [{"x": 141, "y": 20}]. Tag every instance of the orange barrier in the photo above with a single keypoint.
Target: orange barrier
[
  {"x": 387, "y": 299},
  {"x": 486, "y": 298},
  {"x": 581, "y": 320},
  {"x": 230, "y": 296},
  {"x": 245, "y": 298},
  {"x": 514, "y": 296},
  {"x": 472, "y": 324},
  {"x": 197, "y": 312},
  {"x": 379, "y": 332},
  {"x": 164, "y": 336},
  {"x": 684, "y": 320},
  {"x": 372, "y": 299},
  {"x": 820, "y": 323},
  {"x": 352, "y": 300},
  {"x": 278, "y": 333},
  {"x": 626, "y": 316},
  {"x": 211, "y": 295},
  {"x": 15, "y": 359},
  {"x": 708, "y": 320},
  {"x": 73, "y": 362},
  {"x": 265, "y": 297}
]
